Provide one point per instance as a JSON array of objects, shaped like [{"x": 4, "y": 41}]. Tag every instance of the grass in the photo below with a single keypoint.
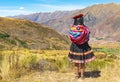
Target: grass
[
  {"x": 110, "y": 73},
  {"x": 5, "y": 68},
  {"x": 26, "y": 34},
  {"x": 18, "y": 63}
]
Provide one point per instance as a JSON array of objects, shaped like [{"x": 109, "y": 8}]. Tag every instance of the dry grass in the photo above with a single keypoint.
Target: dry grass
[
  {"x": 26, "y": 34},
  {"x": 52, "y": 66},
  {"x": 5, "y": 68},
  {"x": 108, "y": 74}
]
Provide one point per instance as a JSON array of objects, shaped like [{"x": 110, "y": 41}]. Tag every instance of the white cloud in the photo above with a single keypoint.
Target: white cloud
[
  {"x": 33, "y": 8},
  {"x": 13, "y": 10},
  {"x": 52, "y": 8},
  {"x": 60, "y": 7},
  {"x": 21, "y": 8},
  {"x": 4, "y": 13}
]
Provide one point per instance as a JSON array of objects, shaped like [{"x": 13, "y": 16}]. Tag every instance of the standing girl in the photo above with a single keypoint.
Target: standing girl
[{"x": 80, "y": 51}]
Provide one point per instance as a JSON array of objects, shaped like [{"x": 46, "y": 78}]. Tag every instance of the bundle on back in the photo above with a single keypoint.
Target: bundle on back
[{"x": 79, "y": 34}]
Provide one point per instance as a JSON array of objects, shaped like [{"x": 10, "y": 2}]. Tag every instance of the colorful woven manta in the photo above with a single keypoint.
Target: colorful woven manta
[{"x": 79, "y": 34}]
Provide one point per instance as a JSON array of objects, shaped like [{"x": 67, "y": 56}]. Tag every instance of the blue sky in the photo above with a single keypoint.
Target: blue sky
[{"x": 17, "y": 7}]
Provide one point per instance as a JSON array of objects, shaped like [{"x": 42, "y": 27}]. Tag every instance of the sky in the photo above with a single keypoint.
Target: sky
[{"x": 18, "y": 7}]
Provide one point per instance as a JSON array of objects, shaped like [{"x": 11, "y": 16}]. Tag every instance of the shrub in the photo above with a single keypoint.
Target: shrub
[
  {"x": 4, "y": 35},
  {"x": 43, "y": 65},
  {"x": 23, "y": 43},
  {"x": 98, "y": 64},
  {"x": 12, "y": 41},
  {"x": 63, "y": 64},
  {"x": 2, "y": 47},
  {"x": 29, "y": 61}
]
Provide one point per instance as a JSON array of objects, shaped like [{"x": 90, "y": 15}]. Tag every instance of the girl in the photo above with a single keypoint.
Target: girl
[{"x": 80, "y": 53}]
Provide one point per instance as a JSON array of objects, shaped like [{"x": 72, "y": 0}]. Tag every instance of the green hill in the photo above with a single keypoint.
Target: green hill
[{"x": 26, "y": 34}]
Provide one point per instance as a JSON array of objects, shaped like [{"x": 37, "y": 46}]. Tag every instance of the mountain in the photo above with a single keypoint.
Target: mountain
[
  {"x": 109, "y": 28},
  {"x": 43, "y": 17},
  {"x": 26, "y": 34},
  {"x": 94, "y": 17},
  {"x": 49, "y": 19}
]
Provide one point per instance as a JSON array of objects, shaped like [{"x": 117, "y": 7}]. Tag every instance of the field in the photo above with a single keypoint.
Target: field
[{"x": 23, "y": 65}]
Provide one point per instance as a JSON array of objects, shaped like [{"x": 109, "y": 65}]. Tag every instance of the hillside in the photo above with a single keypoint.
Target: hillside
[
  {"x": 109, "y": 28},
  {"x": 26, "y": 34},
  {"x": 94, "y": 16}
]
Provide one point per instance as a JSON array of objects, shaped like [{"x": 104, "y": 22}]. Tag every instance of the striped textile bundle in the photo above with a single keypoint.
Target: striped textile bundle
[{"x": 79, "y": 34}]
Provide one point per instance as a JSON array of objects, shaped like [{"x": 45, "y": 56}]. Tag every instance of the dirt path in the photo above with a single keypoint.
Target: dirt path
[
  {"x": 108, "y": 74},
  {"x": 49, "y": 76}
]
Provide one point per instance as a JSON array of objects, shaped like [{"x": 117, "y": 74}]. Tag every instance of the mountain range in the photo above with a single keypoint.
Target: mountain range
[{"x": 102, "y": 19}]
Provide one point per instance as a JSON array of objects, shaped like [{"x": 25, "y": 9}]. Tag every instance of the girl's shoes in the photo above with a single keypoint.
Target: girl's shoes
[
  {"x": 82, "y": 77},
  {"x": 77, "y": 76}
]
